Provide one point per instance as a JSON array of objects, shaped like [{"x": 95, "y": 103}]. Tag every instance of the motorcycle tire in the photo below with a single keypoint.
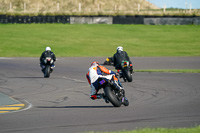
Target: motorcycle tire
[
  {"x": 128, "y": 75},
  {"x": 110, "y": 94},
  {"x": 47, "y": 72}
]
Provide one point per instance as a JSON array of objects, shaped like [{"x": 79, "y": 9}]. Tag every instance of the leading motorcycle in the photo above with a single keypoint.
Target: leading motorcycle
[
  {"x": 126, "y": 71},
  {"x": 48, "y": 68},
  {"x": 112, "y": 94}
]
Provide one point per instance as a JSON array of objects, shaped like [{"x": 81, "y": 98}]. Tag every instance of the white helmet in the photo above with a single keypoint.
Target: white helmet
[
  {"x": 119, "y": 48},
  {"x": 48, "y": 49}
]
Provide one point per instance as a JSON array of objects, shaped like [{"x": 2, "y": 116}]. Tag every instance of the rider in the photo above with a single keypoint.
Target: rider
[
  {"x": 119, "y": 56},
  {"x": 97, "y": 71},
  {"x": 47, "y": 53}
]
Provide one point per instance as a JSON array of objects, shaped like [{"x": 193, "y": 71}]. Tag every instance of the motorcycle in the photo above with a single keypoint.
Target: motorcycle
[
  {"x": 48, "y": 62},
  {"x": 126, "y": 71},
  {"x": 108, "y": 61},
  {"x": 112, "y": 94}
]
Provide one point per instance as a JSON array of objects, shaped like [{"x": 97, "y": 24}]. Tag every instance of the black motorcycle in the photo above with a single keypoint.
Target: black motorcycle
[
  {"x": 48, "y": 61},
  {"x": 108, "y": 61},
  {"x": 112, "y": 94},
  {"x": 126, "y": 71}
]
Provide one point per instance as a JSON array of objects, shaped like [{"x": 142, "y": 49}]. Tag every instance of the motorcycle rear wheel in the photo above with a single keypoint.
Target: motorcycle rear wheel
[
  {"x": 128, "y": 75},
  {"x": 110, "y": 94}
]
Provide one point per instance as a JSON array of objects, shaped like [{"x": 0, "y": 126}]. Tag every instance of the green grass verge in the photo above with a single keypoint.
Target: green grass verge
[
  {"x": 170, "y": 70},
  {"x": 30, "y": 40},
  {"x": 159, "y": 130}
]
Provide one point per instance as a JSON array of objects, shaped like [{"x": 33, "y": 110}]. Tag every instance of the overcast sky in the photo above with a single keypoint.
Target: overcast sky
[{"x": 177, "y": 3}]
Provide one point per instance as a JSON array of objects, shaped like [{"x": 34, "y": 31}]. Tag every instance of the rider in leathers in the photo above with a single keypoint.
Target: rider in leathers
[
  {"x": 47, "y": 53},
  {"x": 119, "y": 56},
  {"x": 95, "y": 72}
]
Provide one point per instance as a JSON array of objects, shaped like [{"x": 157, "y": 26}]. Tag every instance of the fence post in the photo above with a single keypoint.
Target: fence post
[
  {"x": 24, "y": 6},
  {"x": 38, "y": 7},
  {"x": 10, "y": 6},
  {"x": 98, "y": 7},
  {"x": 186, "y": 7},
  {"x": 115, "y": 7},
  {"x": 164, "y": 8},
  {"x": 138, "y": 7},
  {"x": 79, "y": 7},
  {"x": 58, "y": 6}
]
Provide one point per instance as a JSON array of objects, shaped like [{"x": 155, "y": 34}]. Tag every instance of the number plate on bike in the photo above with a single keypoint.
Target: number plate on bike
[{"x": 102, "y": 82}]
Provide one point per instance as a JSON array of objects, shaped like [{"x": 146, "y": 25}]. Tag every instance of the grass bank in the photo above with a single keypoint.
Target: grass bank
[
  {"x": 29, "y": 40},
  {"x": 160, "y": 130},
  {"x": 169, "y": 70}
]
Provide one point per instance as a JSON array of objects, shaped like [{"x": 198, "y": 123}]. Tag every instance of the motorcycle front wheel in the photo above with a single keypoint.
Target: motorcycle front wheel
[{"x": 47, "y": 72}]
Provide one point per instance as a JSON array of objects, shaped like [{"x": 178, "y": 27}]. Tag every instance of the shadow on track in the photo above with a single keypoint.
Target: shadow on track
[
  {"x": 26, "y": 77},
  {"x": 76, "y": 107},
  {"x": 42, "y": 77}
]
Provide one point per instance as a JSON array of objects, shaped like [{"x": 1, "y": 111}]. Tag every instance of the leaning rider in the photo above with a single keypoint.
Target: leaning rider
[{"x": 95, "y": 72}]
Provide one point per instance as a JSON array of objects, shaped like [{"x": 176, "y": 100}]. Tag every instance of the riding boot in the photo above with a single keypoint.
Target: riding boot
[{"x": 105, "y": 98}]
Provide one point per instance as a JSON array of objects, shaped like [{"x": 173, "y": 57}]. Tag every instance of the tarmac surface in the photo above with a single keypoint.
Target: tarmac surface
[{"x": 61, "y": 103}]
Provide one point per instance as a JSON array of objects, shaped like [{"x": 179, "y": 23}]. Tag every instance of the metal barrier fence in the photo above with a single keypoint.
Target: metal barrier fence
[{"x": 147, "y": 20}]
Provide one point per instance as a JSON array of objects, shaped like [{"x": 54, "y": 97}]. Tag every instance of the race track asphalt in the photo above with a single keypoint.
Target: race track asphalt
[{"x": 61, "y": 103}]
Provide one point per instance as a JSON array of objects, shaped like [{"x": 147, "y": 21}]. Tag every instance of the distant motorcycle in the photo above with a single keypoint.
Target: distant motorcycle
[
  {"x": 108, "y": 61},
  {"x": 113, "y": 95},
  {"x": 48, "y": 62},
  {"x": 126, "y": 71}
]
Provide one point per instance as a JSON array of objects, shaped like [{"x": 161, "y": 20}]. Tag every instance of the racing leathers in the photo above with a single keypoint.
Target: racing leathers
[
  {"x": 94, "y": 73},
  {"x": 118, "y": 57},
  {"x": 43, "y": 57}
]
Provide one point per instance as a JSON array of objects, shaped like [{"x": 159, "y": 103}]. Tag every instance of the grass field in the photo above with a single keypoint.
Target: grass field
[
  {"x": 159, "y": 130},
  {"x": 30, "y": 40},
  {"x": 170, "y": 70}
]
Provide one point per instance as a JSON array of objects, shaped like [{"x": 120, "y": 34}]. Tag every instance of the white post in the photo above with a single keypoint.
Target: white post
[
  {"x": 98, "y": 7},
  {"x": 79, "y": 7},
  {"x": 24, "y": 7},
  {"x": 190, "y": 7},
  {"x": 138, "y": 7},
  {"x": 164, "y": 8},
  {"x": 186, "y": 5},
  {"x": 38, "y": 8},
  {"x": 58, "y": 6},
  {"x": 115, "y": 7},
  {"x": 10, "y": 6}
]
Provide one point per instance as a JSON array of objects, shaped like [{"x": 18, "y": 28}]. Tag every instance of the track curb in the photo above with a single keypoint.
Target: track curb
[{"x": 9, "y": 104}]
